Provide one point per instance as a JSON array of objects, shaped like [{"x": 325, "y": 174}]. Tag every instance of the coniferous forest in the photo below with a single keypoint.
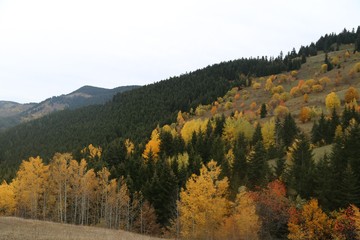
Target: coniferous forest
[{"x": 203, "y": 155}]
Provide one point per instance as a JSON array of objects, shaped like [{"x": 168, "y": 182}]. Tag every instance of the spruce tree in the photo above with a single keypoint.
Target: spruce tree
[
  {"x": 258, "y": 169},
  {"x": 263, "y": 111},
  {"x": 257, "y": 136},
  {"x": 301, "y": 173},
  {"x": 323, "y": 188},
  {"x": 290, "y": 130},
  {"x": 349, "y": 188}
]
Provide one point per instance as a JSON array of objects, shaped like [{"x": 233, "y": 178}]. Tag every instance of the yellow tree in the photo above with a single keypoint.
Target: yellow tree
[
  {"x": 129, "y": 145},
  {"x": 152, "y": 148},
  {"x": 234, "y": 127},
  {"x": 243, "y": 223},
  {"x": 7, "y": 199},
  {"x": 332, "y": 101},
  {"x": 103, "y": 181},
  {"x": 60, "y": 183},
  {"x": 351, "y": 94},
  {"x": 268, "y": 133},
  {"x": 309, "y": 223},
  {"x": 202, "y": 204},
  {"x": 305, "y": 114},
  {"x": 88, "y": 201},
  {"x": 30, "y": 188},
  {"x": 195, "y": 125}
]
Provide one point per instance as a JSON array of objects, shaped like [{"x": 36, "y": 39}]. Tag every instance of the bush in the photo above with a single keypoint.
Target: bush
[
  {"x": 317, "y": 88},
  {"x": 279, "y": 89},
  {"x": 281, "y": 111},
  {"x": 324, "y": 68}
]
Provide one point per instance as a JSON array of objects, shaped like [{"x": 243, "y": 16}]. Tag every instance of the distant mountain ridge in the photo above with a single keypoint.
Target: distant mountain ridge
[{"x": 13, "y": 113}]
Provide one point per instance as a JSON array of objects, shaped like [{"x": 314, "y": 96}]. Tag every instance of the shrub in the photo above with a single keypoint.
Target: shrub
[
  {"x": 256, "y": 85},
  {"x": 281, "y": 111},
  {"x": 305, "y": 114},
  {"x": 279, "y": 89},
  {"x": 324, "y": 68},
  {"x": 317, "y": 88},
  {"x": 295, "y": 92}
]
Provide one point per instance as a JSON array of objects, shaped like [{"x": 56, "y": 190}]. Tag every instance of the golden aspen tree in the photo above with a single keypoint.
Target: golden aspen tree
[
  {"x": 112, "y": 204},
  {"x": 103, "y": 181},
  {"x": 305, "y": 114},
  {"x": 89, "y": 189},
  {"x": 310, "y": 223},
  {"x": 306, "y": 98},
  {"x": 74, "y": 189},
  {"x": 170, "y": 129},
  {"x": 203, "y": 203},
  {"x": 295, "y": 91},
  {"x": 351, "y": 93},
  {"x": 310, "y": 82},
  {"x": 332, "y": 101},
  {"x": 317, "y": 88},
  {"x": 324, "y": 81},
  {"x": 180, "y": 119},
  {"x": 153, "y": 146},
  {"x": 281, "y": 111},
  {"x": 30, "y": 187},
  {"x": 268, "y": 133},
  {"x": 213, "y": 110},
  {"x": 324, "y": 68},
  {"x": 256, "y": 85},
  {"x": 234, "y": 127},
  {"x": 59, "y": 183},
  {"x": 124, "y": 207},
  {"x": 7, "y": 199},
  {"x": 195, "y": 125},
  {"x": 129, "y": 145},
  {"x": 269, "y": 83},
  {"x": 243, "y": 223}
]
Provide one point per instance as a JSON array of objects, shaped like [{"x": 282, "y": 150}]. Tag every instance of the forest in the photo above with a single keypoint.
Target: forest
[{"x": 175, "y": 159}]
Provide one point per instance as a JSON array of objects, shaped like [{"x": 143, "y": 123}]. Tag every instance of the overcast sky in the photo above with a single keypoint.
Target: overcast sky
[{"x": 52, "y": 47}]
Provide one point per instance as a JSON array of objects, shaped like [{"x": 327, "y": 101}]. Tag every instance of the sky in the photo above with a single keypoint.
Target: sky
[{"x": 53, "y": 47}]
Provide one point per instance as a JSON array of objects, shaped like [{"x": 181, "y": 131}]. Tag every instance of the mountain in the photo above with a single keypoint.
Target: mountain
[
  {"x": 9, "y": 109},
  {"x": 12, "y": 113}
]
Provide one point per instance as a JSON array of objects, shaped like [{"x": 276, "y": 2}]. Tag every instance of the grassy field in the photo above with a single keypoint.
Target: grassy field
[{"x": 12, "y": 228}]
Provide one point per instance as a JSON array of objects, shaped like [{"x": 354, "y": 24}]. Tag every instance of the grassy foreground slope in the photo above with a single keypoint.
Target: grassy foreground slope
[{"x": 12, "y": 228}]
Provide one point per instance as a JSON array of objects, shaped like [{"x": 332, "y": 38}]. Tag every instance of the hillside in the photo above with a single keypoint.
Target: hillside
[
  {"x": 17, "y": 228},
  {"x": 231, "y": 151},
  {"x": 12, "y": 113},
  {"x": 131, "y": 114}
]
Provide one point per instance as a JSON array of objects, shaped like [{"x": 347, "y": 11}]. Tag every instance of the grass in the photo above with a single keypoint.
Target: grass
[{"x": 12, "y": 228}]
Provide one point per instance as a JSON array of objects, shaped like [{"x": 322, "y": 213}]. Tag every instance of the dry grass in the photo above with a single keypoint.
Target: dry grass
[{"x": 12, "y": 228}]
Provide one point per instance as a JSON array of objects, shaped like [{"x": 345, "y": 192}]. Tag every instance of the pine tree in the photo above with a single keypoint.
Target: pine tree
[
  {"x": 257, "y": 136},
  {"x": 301, "y": 173},
  {"x": 258, "y": 169},
  {"x": 290, "y": 130},
  {"x": 349, "y": 188},
  {"x": 323, "y": 182},
  {"x": 263, "y": 111}
]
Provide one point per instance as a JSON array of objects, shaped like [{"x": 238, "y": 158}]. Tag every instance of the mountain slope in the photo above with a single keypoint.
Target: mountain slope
[
  {"x": 12, "y": 113},
  {"x": 8, "y": 109},
  {"x": 132, "y": 114}
]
